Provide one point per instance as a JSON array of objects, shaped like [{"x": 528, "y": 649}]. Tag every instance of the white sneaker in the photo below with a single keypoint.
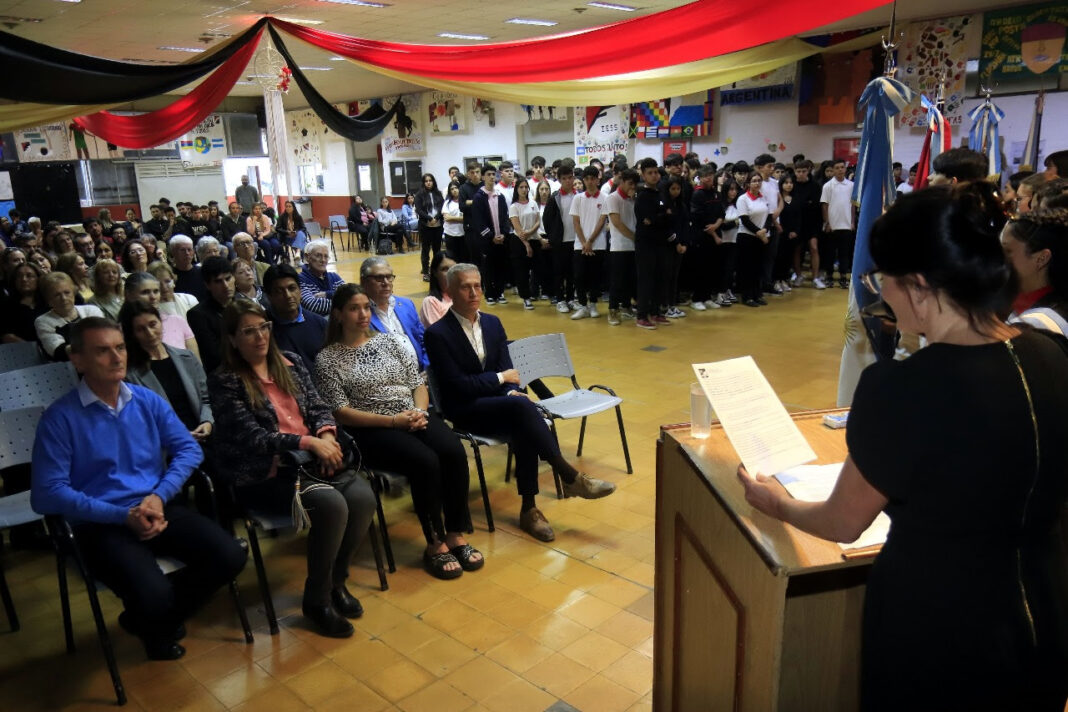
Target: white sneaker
[
  {"x": 574, "y": 305},
  {"x": 593, "y": 311},
  {"x": 786, "y": 286},
  {"x": 580, "y": 313},
  {"x": 675, "y": 313},
  {"x": 562, "y": 307},
  {"x": 819, "y": 283},
  {"x": 711, "y": 304},
  {"x": 698, "y": 306},
  {"x": 731, "y": 298},
  {"x": 796, "y": 282},
  {"x": 613, "y": 317},
  {"x": 527, "y": 304}
]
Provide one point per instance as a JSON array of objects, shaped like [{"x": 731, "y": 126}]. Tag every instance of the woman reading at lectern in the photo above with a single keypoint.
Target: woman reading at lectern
[{"x": 965, "y": 446}]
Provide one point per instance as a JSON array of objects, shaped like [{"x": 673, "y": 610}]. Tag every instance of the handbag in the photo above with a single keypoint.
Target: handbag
[{"x": 308, "y": 478}]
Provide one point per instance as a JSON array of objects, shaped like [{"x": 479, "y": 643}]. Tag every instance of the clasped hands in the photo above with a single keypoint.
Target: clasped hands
[
  {"x": 410, "y": 420},
  {"x": 512, "y": 376},
  {"x": 146, "y": 519}
]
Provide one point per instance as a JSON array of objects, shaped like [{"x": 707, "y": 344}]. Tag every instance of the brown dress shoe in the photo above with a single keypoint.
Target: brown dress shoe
[
  {"x": 533, "y": 522},
  {"x": 588, "y": 487}
]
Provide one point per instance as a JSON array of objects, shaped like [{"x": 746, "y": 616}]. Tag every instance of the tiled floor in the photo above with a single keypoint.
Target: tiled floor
[{"x": 560, "y": 626}]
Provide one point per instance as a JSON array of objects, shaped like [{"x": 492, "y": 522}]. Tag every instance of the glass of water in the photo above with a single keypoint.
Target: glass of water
[{"x": 700, "y": 412}]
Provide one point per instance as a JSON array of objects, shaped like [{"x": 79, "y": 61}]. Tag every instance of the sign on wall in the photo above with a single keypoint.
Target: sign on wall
[
  {"x": 44, "y": 143},
  {"x": 405, "y": 135},
  {"x": 1020, "y": 42},
  {"x": 305, "y": 131},
  {"x": 601, "y": 132},
  {"x": 678, "y": 117},
  {"x": 446, "y": 113},
  {"x": 205, "y": 145},
  {"x": 931, "y": 48}
]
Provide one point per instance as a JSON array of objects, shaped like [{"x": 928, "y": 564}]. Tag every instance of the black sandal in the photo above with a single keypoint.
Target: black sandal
[
  {"x": 435, "y": 565},
  {"x": 463, "y": 554}
]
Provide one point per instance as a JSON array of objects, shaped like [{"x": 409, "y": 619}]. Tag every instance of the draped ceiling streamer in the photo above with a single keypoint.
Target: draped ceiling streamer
[
  {"x": 158, "y": 127},
  {"x": 355, "y": 128},
  {"x": 698, "y": 30}
]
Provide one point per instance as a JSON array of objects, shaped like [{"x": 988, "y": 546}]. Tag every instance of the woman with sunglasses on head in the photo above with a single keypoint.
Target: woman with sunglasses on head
[
  {"x": 265, "y": 404},
  {"x": 963, "y": 445}
]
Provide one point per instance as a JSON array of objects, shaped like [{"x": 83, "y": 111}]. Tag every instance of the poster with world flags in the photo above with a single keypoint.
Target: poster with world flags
[
  {"x": 676, "y": 118},
  {"x": 205, "y": 145}
]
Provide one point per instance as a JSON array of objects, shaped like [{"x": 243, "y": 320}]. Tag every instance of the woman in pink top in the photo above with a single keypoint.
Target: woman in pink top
[
  {"x": 438, "y": 303},
  {"x": 259, "y": 226},
  {"x": 176, "y": 331}
]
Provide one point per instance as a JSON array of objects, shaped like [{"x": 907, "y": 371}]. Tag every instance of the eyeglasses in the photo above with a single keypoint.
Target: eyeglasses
[
  {"x": 382, "y": 277},
  {"x": 251, "y": 332},
  {"x": 873, "y": 281}
]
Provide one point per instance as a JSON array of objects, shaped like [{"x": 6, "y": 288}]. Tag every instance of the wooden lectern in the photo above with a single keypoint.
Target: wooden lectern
[{"x": 752, "y": 615}]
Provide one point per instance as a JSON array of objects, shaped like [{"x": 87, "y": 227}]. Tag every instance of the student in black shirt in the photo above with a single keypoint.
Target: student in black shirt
[
  {"x": 652, "y": 251},
  {"x": 706, "y": 214},
  {"x": 807, "y": 196}
]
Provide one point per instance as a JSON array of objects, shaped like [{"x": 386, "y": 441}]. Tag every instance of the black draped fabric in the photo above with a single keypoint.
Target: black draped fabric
[
  {"x": 355, "y": 128},
  {"x": 36, "y": 72}
]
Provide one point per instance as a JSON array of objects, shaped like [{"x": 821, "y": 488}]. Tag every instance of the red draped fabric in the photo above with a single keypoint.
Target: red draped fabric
[
  {"x": 158, "y": 127},
  {"x": 699, "y": 30}
]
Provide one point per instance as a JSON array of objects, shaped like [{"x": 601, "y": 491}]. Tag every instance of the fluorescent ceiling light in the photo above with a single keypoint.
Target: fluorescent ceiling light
[
  {"x": 459, "y": 36},
  {"x": 182, "y": 49},
  {"x": 298, "y": 21},
  {"x": 359, "y": 3},
  {"x": 317, "y": 69},
  {"x": 526, "y": 21},
  {"x": 71, "y": 1},
  {"x": 612, "y": 6},
  {"x": 337, "y": 59}
]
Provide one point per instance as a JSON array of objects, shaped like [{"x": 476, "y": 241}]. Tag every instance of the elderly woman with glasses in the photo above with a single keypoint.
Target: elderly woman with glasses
[
  {"x": 317, "y": 285},
  {"x": 265, "y": 404}
]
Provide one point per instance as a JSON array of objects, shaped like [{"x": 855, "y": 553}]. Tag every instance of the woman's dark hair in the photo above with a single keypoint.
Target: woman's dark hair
[
  {"x": 135, "y": 354},
  {"x": 434, "y": 183},
  {"x": 344, "y": 293},
  {"x": 234, "y": 361},
  {"x": 726, "y": 189},
  {"x": 12, "y": 280},
  {"x": 1045, "y": 229},
  {"x": 665, "y": 190},
  {"x": 787, "y": 177},
  {"x": 434, "y": 288},
  {"x": 515, "y": 189},
  {"x": 298, "y": 221},
  {"x": 125, "y": 256},
  {"x": 950, "y": 234}
]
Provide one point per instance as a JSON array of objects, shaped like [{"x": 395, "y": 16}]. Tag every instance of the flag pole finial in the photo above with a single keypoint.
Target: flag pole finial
[{"x": 891, "y": 44}]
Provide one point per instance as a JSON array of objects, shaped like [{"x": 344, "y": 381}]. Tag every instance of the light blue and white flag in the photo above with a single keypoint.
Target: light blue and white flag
[{"x": 983, "y": 136}]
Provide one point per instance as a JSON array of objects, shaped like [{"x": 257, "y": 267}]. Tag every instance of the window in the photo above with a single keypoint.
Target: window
[
  {"x": 311, "y": 179},
  {"x": 405, "y": 177},
  {"x": 105, "y": 182}
]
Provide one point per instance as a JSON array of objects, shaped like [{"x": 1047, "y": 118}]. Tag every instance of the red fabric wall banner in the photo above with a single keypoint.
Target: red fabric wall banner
[
  {"x": 158, "y": 127},
  {"x": 695, "y": 31}
]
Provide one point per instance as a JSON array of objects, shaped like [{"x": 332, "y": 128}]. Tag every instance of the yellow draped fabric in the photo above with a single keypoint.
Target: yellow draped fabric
[{"x": 24, "y": 115}]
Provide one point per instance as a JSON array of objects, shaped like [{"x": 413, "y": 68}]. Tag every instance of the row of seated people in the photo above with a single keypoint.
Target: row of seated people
[{"x": 112, "y": 455}]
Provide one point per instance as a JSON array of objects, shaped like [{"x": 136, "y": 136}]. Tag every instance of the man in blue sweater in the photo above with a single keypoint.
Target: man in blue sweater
[{"x": 110, "y": 457}]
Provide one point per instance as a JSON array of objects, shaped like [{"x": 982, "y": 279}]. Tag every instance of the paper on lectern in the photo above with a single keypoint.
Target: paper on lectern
[
  {"x": 814, "y": 483},
  {"x": 763, "y": 434}
]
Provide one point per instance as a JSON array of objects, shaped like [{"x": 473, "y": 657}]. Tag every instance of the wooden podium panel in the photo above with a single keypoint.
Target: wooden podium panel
[{"x": 751, "y": 614}]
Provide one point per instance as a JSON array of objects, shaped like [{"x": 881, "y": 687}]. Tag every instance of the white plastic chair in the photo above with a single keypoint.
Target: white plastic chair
[
  {"x": 22, "y": 354},
  {"x": 546, "y": 356},
  {"x": 37, "y": 385},
  {"x": 17, "y": 428}
]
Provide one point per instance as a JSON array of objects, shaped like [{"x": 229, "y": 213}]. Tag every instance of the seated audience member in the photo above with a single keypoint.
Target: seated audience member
[
  {"x": 388, "y": 224},
  {"x": 134, "y": 257},
  {"x": 23, "y": 304},
  {"x": 245, "y": 286},
  {"x": 208, "y": 246},
  {"x": 360, "y": 219},
  {"x": 54, "y": 326},
  {"x": 107, "y": 288},
  {"x": 173, "y": 374},
  {"x": 372, "y": 383},
  {"x": 391, "y": 314},
  {"x": 74, "y": 266},
  {"x": 409, "y": 219},
  {"x": 265, "y": 404},
  {"x": 1036, "y": 248},
  {"x": 120, "y": 499},
  {"x": 63, "y": 243},
  {"x": 206, "y": 318},
  {"x": 245, "y": 251},
  {"x": 85, "y": 244},
  {"x": 317, "y": 284},
  {"x": 295, "y": 330},
  {"x": 187, "y": 279},
  {"x": 171, "y": 302},
  {"x": 290, "y": 227},
  {"x": 480, "y": 391},
  {"x": 231, "y": 224},
  {"x": 176, "y": 332},
  {"x": 438, "y": 302},
  {"x": 259, "y": 226},
  {"x": 40, "y": 258},
  {"x": 12, "y": 257}
]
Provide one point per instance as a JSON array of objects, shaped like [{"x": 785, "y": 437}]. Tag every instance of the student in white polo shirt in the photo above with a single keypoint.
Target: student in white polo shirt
[
  {"x": 619, "y": 208},
  {"x": 506, "y": 184},
  {"x": 588, "y": 218},
  {"x": 838, "y": 224}
]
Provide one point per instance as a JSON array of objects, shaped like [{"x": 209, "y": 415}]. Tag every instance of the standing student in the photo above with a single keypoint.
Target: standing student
[
  {"x": 678, "y": 212},
  {"x": 453, "y": 226},
  {"x": 706, "y": 214},
  {"x": 838, "y": 224},
  {"x": 560, "y": 232},
  {"x": 807, "y": 195},
  {"x": 769, "y": 188},
  {"x": 541, "y": 269},
  {"x": 506, "y": 184},
  {"x": 493, "y": 226},
  {"x": 468, "y": 190},
  {"x": 753, "y": 238},
  {"x": 652, "y": 252},
  {"x": 526, "y": 220},
  {"x": 790, "y": 221},
  {"x": 619, "y": 207},
  {"x": 729, "y": 248},
  {"x": 428, "y": 204},
  {"x": 589, "y": 253}
]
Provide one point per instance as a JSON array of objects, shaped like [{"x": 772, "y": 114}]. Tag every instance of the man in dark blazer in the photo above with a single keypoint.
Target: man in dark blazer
[
  {"x": 479, "y": 390},
  {"x": 493, "y": 226}
]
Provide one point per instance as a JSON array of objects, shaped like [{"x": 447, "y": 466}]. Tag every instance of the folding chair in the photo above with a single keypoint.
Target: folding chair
[
  {"x": 19, "y": 355},
  {"x": 37, "y": 385},
  {"x": 67, "y": 549},
  {"x": 546, "y": 356},
  {"x": 17, "y": 429},
  {"x": 340, "y": 223},
  {"x": 273, "y": 521}
]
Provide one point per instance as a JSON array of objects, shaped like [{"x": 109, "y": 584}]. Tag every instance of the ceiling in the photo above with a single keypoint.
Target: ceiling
[{"x": 135, "y": 30}]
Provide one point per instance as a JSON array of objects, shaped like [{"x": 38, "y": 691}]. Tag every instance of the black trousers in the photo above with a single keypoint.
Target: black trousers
[
  {"x": 589, "y": 271},
  {"x": 435, "y": 463},
  {"x": 784, "y": 258},
  {"x": 520, "y": 421},
  {"x": 623, "y": 277},
  {"x": 837, "y": 245},
  {"x": 770, "y": 254},
  {"x": 750, "y": 261},
  {"x": 653, "y": 266},
  {"x": 563, "y": 274},
  {"x": 339, "y": 518},
  {"x": 703, "y": 258},
  {"x": 158, "y": 604},
  {"x": 540, "y": 268},
  {"x": 476, "y": 252},
  {"x": 727, "y": 264},
  {"x": 494, "y": 267},
  {"x": 456, "y": 247},
  {"x": 429, "y": 239},
  {"x": 521, "y": 265}
]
